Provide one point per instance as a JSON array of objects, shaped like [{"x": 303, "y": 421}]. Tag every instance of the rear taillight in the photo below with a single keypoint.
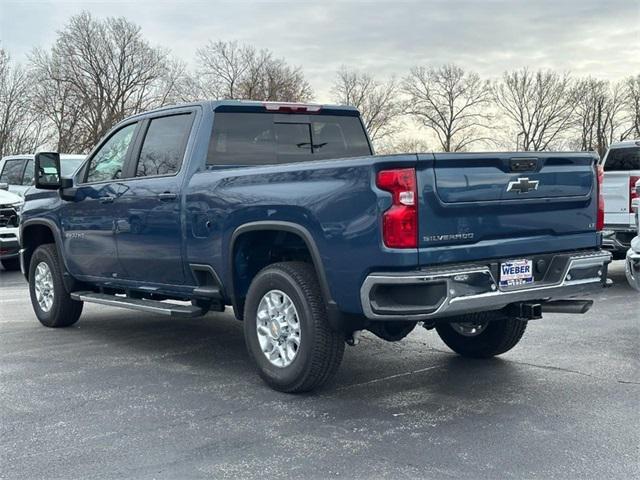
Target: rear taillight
[
  {"x": 400, "y": 221},
  {"x": 600, "y": 217},
  {"x": 633, "y": 193}
]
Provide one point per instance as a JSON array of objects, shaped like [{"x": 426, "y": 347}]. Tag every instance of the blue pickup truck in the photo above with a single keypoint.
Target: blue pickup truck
[{"x": 283, "y": 212}]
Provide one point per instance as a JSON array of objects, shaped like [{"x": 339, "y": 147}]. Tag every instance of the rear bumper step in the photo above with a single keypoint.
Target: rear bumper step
[
  {"x": 150, "y": 306},
  {"x": 441, "y": 293}
]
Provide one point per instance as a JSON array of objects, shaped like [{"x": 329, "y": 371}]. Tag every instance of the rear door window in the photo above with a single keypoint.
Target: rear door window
[
  {"x": 12, "y": 172},
  {"x": 164, "y": 144},
  {"x": 622, "y": 159},
  {"x": 240, "y": 138}
]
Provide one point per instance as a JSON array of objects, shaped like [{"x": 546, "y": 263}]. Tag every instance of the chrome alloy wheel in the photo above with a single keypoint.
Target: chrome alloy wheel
[
  {"x": 469, "y": 329},
  {"x": 278, "y": 327},
  {"x": 43, "y": 283}
]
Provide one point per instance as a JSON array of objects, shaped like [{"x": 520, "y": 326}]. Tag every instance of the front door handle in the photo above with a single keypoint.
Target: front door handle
[
  {"x": 106, "y": 199},
  {"x": 167, "y": 196}
]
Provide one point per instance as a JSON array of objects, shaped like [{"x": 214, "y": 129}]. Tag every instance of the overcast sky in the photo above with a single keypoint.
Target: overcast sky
[{"x": 586, "y": 37}]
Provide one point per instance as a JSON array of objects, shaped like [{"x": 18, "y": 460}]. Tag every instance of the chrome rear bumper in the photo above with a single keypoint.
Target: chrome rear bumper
[{"x": 438, "y": 293}]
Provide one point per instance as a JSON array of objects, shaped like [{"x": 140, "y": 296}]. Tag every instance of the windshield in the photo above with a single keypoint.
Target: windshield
[
  {"x": 69, "y": 165},
  {"x": 622, "y": 159}
]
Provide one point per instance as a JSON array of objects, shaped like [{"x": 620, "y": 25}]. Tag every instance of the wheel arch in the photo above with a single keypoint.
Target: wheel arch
[
  {"x": 290, "y": 228},
  {"x": 40, "y": 231}
]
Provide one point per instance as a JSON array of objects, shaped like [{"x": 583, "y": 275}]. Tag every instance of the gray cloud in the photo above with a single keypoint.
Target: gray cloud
[{"x": 600, "y": 38}]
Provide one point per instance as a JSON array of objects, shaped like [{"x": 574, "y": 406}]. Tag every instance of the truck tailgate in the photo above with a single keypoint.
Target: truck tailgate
[
  {"x": 616, "y": 199},
  {"x": 489, "y": 205}
]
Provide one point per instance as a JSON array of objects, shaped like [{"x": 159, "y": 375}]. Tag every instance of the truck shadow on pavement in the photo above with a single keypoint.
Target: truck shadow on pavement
[{"x": 211, "y": 349}]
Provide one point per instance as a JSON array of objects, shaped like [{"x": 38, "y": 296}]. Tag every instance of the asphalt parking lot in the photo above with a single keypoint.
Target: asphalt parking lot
[{"x": 130, "y": 395}]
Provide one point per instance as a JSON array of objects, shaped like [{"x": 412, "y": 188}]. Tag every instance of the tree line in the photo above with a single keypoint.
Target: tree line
[{"x": 98, "y": 72}]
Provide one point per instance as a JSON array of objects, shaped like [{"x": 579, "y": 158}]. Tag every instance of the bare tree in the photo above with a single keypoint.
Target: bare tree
[
  {"x": 402, "y": 144},
  {"x": 631, "y": 99},
  {"x": 97, "y": 73},
  {"x": 236, "y": 71},
  {"x": 21, "y": 128},
  {"x": 540, "y": 105},
  {"x": 450, "y": 102},
  {"x": 57, "y": 101},
  {"x": 378, "y": 102},
  {"x": 598, "y": 113}
]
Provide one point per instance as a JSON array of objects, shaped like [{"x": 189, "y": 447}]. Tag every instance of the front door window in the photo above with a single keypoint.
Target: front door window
[{"x": 108, "y": 163}]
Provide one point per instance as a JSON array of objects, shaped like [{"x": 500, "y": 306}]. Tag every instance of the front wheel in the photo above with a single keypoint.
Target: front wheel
[
  {"x": 286, "y": 329},
  {"x": 479, "y": 336},
  {"x": 51, "y": 302}
]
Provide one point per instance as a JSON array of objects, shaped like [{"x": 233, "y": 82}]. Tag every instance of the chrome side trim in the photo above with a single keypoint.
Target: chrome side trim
[{"x": 456, "y": 304}]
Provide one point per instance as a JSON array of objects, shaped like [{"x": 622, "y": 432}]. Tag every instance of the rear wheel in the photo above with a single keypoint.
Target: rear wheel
[
  {"x": 286, "y": 329},
  {"x": 51, "y": 302},
  {"x": 480, "y": 335},
  {"x": 11, "y": 264}
]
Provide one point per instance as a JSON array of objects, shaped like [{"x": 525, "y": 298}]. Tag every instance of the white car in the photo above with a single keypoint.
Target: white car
[
  {"x": 633, "y": 255},
  {"x": 17, "y": 170},
  {"x": 621, "y": 172},
  {"x": 10, "y": 209}
]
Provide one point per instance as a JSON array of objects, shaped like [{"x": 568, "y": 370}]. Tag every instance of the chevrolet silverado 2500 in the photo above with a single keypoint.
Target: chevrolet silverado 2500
[{"x": 283, "y": 212}]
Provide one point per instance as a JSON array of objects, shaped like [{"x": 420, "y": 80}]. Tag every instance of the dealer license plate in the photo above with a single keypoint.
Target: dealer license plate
[{"x": 516, "y": 272}]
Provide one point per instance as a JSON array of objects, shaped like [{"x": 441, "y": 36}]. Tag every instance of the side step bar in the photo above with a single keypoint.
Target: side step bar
[{"x": 150, "y": 306}]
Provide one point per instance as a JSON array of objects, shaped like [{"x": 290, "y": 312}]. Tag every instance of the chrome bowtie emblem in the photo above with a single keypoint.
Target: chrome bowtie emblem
[{"x": 522, "y": 185}]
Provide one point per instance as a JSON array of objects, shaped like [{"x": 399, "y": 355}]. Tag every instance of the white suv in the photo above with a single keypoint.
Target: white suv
[
  {"x": 621, "y": 172},
  {"x": 17, "y": 170},
  {"x": 10, "y": 209}
]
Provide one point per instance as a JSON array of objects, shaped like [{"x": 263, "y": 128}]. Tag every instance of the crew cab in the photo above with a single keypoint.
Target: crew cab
[
  {"x": 283, "y": 212},
  {"x": 621, "y": 172}
]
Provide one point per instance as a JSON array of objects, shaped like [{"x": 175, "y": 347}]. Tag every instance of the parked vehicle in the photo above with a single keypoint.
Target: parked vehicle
[
  {"x": 621, "y": 172},
  {"x": 632, "y": 267},
  {"x": 283, "y": 212},
  {"x": 10, "y": 208},
  {"x": 17, "y": 170}
]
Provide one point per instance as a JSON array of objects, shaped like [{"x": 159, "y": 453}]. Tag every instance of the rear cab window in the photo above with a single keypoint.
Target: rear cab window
[
  {"x": 241, "y": 138},
  {"x": 622, "y": 159}
]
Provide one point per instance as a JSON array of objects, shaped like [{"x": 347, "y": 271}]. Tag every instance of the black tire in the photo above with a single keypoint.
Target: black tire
[
  {"x": 63, "y": 311},
  {"x": 321, "y": 349},
  {"x": 499, "y": 336},
  {"x": 11, "y": 264}
]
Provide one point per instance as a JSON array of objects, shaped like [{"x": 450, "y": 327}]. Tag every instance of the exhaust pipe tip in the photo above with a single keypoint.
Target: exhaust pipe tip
[{"x": 568, "y": 306}]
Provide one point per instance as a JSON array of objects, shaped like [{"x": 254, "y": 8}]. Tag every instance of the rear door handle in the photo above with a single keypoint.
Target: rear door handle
[
  {"x": 106, "y": 199},
  {"x": 167, "y": 196}
]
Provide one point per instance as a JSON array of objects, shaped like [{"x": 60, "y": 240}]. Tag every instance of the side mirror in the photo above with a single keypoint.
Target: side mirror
[
  {"x": 4, "y": 186},
  {"x": 47, "y": 172}
]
